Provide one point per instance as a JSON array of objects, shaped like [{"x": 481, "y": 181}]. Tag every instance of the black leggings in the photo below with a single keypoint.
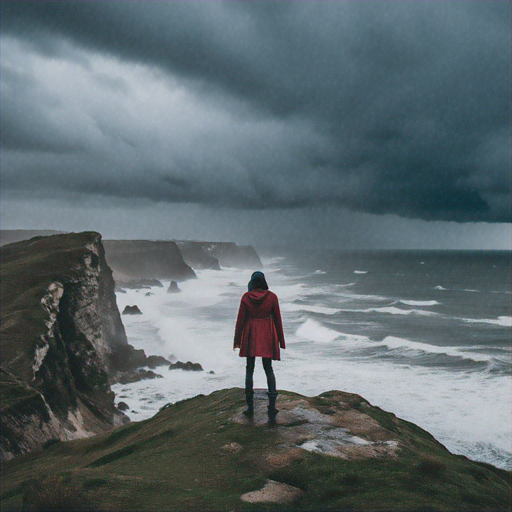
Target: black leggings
[{"x": 269, "y": 372}]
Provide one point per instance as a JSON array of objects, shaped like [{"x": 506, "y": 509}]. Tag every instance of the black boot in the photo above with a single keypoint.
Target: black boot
[
  {"x": 272, "y": 411},
  {"x": 249, "y": 412}
]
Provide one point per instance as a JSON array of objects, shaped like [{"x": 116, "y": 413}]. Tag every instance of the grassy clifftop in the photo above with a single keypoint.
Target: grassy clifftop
[{"x": 331, "y": 452}]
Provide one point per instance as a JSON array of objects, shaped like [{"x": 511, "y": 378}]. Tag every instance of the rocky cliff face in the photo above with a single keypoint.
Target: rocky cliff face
[
  {"x": 62, "y": 337},
  {"x": 146, "y": 259},
  {"x": 213, "y": 255}
]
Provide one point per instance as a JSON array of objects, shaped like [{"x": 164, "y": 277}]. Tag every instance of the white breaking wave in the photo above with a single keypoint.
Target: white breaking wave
[
  {"x": 503, "y": 321},
  {"x": 392, "y": 310},
  {"x": 314, "y": 309},
  {"x": 360, "y": 271},
  {"x": 419, "y": 302},
  {"x": 320, "y": 272},
  {"x": 394, "y": 343},
  {"x": 439, "y": 288},
  {"x": 311, "y": 330}
]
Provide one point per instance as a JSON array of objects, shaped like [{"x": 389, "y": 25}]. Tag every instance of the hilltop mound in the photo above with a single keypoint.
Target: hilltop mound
[{"x": 330, "y": 452}]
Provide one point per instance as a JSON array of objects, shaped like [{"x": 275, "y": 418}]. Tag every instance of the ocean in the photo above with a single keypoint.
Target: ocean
[{"x": 423, "y": 334}]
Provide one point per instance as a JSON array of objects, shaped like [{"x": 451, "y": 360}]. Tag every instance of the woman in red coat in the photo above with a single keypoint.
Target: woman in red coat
[{"x": 259, "y": 333}]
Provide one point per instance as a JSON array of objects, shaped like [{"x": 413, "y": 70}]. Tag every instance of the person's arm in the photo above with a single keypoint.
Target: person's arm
[
  {"x": 276, "y": 313},
  {"x": 240, "y": 323}
]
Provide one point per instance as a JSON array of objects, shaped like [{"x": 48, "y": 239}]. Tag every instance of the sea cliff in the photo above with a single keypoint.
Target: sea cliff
[
  {"x": 214, "y": 255},
  {"x": 136, "y": 260},
  {"x": 62, "y": 342}
]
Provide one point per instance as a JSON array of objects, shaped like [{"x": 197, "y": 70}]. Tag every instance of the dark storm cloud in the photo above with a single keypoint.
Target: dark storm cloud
[{"x": 381, "y": 107}]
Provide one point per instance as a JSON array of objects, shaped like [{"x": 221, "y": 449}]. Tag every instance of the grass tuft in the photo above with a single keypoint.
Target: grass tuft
[
  {"x": 431, "y": 466},
  {"x": 55, "y": 493}
]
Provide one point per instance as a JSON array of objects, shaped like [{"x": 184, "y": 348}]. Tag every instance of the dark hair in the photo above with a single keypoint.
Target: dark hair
[{"x": 257, "y": 281}]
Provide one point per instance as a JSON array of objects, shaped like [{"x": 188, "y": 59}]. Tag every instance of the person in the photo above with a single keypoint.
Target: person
[{"x": 259, "y": 333}]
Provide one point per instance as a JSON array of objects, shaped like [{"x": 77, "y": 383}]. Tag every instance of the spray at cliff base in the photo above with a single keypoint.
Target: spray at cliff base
[{"x": 423, "y": 335}]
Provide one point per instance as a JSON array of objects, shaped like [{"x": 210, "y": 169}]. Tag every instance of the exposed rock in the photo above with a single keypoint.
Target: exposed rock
[
  {"x": 173, "y": 287},
  {"x": 335, "y": 423},
  {"x": 137, "y": 375},
  {"x": 123, "y": 406},
  {"x": 197, "y": 256},
  {"x": 61, "y": 333},
  {"x": 188, "y": 366},
  {"x": 145, "y": 259},
  {"x": 132, "y": 310},
  {"x": 211, "y": 254},
  {"x": 137, "y": 284},
  {"x": 155, "y": 361}
]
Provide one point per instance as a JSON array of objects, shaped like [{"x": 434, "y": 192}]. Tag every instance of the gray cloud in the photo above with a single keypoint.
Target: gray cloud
[{"x": 379, "y": 107}]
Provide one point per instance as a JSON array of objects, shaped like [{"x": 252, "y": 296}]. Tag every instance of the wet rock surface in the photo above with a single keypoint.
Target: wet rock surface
[
  {"x": 137, "y": 375},
  {"x": 188, "y": 366},
  {"x": 132, "y": 310},
  {"x": 335, "y": 423}
]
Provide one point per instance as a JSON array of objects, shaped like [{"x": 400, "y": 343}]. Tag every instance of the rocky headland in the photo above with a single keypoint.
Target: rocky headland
[
  {"x": 62, "y": 340},
  {"x": 334, "y": 451},
  {"x": 133, "y": 262},
  {"x": 214, "y": 255}
]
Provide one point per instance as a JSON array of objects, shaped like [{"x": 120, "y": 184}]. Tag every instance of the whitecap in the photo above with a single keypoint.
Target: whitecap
[
  {"x": 395, "y": 343},
  {"x": 503, "y": 321},
  {"x": 439, "y": 288},
  {"x": 360, "y": 271},
  {"x": 397, "y": 311},
  {"x": 419, "y": 302},
  {"x": 314, "y": 309},
  {"x": 311, "y": 330},
  {"x": 319, "y": 272}
]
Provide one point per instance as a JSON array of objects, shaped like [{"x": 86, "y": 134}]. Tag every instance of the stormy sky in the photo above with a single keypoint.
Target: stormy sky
[{"x": 342, "y": 123}]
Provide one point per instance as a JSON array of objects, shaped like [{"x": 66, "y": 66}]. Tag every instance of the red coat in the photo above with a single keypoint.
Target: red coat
[{"x": 259, "y": 328}]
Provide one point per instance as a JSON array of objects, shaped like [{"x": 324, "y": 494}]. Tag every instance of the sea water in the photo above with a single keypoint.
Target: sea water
[{"x": 425, "y": 335}]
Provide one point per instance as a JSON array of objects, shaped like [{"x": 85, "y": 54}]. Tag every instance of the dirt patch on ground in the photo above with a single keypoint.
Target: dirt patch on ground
[
  {"x": 273, "y": 492},
  {"x": 284, "y": 458}
]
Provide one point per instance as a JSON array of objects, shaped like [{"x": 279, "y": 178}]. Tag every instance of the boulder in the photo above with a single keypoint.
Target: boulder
[
  {"x": 132, "y": 310},
  {"x": 137, "y": 375},
  {"x": 155, "y": 361},
  {"x": 123, "y": 406},
  {"x": 188, "y": 366}
]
